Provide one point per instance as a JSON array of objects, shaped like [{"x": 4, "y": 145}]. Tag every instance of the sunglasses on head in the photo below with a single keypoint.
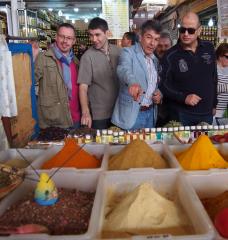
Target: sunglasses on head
[{"x": 189, "y": 30}]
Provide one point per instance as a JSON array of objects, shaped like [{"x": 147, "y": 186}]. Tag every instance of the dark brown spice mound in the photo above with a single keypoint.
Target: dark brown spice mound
[
  {"x": 52, "y": 134},
  {"x": 70, "y": 215},
  {"x": 215, "y": 204}
]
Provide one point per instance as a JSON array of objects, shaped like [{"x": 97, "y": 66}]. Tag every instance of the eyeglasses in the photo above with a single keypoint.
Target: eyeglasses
[
  {"x": 226, "y": 56},
  {"x": 62, "y": 37},
  {"x": 189, "y": 30}
]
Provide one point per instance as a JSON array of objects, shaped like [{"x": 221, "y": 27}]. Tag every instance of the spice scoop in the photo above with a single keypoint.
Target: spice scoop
[
  {"x": 24, "y": 229},
  {"x": 10, "y": 178}
]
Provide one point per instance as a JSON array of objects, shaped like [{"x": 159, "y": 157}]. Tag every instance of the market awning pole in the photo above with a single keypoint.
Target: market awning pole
[{"x": 14, "y": 7}]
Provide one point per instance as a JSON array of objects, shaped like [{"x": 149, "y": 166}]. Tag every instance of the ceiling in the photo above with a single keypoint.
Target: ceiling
[{"x": 86, "y": 9}]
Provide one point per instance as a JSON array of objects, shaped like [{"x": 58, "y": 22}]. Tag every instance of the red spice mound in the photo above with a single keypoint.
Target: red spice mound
[
  {"x": 70, "y": 215},
  {"x": 63, "y": 158}
]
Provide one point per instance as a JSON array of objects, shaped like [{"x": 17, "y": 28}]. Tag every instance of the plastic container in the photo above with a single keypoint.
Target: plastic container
[
  {"x": 29, "y": 154},
  {"x": 209, "y": 185},
  {"x": 171, "y": 183},
  {"x": 222, "y": 148},
  {"x": 162, "y": 149},
  {"x": 97, "y": 150},
  {"x": 66, "y": 179}
]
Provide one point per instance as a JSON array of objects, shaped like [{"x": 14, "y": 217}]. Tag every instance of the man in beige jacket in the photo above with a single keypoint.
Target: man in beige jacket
[{"x": 56, "y": 76}]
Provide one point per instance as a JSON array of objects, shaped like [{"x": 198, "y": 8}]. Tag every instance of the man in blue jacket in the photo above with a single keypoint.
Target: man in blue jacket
[{"x": 135, "y": 107}]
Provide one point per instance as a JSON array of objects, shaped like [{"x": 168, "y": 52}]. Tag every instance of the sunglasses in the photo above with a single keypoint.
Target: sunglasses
[
  {"x": 226, "y": 56},
  {"x": 189, "y": 30}
]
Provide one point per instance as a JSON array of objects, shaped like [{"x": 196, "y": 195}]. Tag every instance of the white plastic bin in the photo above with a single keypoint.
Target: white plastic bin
[
  {"x": 169, "y": 182},
  {"x": 66, "y": 179},
  {"x": 29, "y": 154},
  {"x": 162, "y": 149},
  {"x": 97, "y": 150},
  {"x": 209, "y": 185},
  {"x": 222, "y": 148}
]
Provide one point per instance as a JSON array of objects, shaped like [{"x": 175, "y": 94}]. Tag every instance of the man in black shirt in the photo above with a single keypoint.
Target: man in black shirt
[{"x": 189, "y": 76}]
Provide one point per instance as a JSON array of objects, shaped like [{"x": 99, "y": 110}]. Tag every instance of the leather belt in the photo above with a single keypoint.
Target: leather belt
[{"x": 145, "y": 108}]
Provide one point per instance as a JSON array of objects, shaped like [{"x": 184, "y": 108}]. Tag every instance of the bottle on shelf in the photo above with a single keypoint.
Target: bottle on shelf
[
  {"x": 121, "y": 137},
  {"x": 115, "y": 137},
  {"x": 110, "y": 136},
  {"x": 98, "y": 136}
]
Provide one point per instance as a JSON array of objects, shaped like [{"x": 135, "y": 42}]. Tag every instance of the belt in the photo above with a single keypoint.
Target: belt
[{"x": 145, "y": 108}]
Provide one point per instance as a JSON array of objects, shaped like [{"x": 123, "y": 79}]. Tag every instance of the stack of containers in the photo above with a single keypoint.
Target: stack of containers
[{"x": 172, "y": 181}]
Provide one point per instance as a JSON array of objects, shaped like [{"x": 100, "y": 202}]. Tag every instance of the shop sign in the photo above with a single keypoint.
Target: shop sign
[
  {"x": 116, "y": 13},
  {"x": 222, "y": 19}
]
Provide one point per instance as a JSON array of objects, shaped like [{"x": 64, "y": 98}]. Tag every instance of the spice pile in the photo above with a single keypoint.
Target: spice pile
[
  {"x": 52, "y": 134},
  {"x": 70, "y": 215},
  {"x": 4, "y": 179},
  {"x": 137, "y": 154},
  {"x": 80, "y": 158},
  {"x": 202, "y": 155},
  {"x": 217, "y": 209},
  {"x": 143, "y": 211}
]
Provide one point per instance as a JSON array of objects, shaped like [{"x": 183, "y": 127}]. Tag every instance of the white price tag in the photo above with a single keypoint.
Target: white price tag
[{"x": 157, "y": 237}]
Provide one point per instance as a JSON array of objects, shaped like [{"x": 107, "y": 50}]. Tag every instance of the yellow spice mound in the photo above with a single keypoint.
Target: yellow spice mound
[
  {"x": 136, "y": 154},
  {"x": 144, "y": 209},
  {"x": 202, "y": 155}
]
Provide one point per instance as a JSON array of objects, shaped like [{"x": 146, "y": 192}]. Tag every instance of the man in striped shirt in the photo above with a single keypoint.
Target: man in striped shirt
[{"x": 222, "y": 67}]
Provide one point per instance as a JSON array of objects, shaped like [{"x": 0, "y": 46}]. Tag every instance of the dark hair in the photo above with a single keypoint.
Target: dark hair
[
  {"x": 221, "y": 50},
  {"x": 131, "y": 36},
  {"x": 98, "y": 23},
  {"x": 66, "y": 25},
  {"x": 165, "y": 34},
  {"x": 151, "y": 25}
]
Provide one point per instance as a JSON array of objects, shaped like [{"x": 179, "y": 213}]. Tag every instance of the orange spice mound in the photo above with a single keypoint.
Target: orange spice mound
[{"x": 81, "y": 159}]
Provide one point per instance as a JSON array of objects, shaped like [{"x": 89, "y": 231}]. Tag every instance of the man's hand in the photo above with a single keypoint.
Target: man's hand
[
  {"x": 135, "y": 91},
  {"x": 156, "y": 97},
  {"x": 192, "y": 99},
  {"x": 213, "y": 111},
  {"x": 86, "y": 119}
]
